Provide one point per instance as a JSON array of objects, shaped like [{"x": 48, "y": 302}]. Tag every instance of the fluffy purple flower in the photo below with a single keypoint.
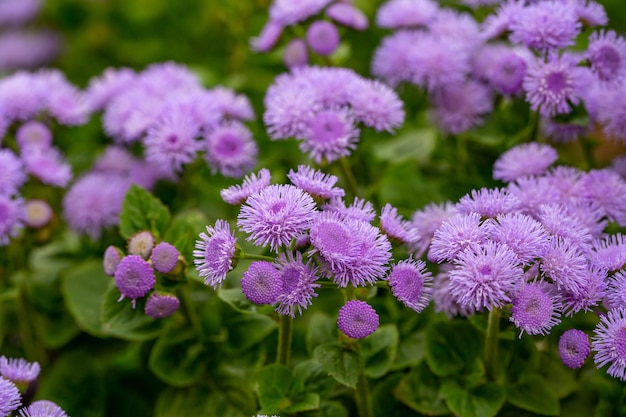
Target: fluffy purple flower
[
  {"x": 524, "y": 160},
  {"x": 214, "y": 253},
  {"x": 502, "y": 67},
  {"x": 102, "y": 89},
  {"x": 610, "y": 253},
  {"x": 608, "y": 190},
  {"x": 298, "y": 281},
  {"x": 161, "y": 305},
  {"x": 231, "y": 105},
  {"x": 296, "y": 54},
  {"x": 607, "y": 55},
  {"x": 64, "y": 101},
  {"x": 330, "y": 135},
  {"x": 172, "y": 141},
  {"x": 532, "y": 192},
  {"x": 287, "y": 108},
  {"x": 316, "y": 183},
  {"x": 164, "y": 257},
  {"x": 395, "y": 14},
  {"x": 114, "y": 160},
  {"x": 500, "y": 22},
  {"x": 11, "y": 217},
  {"x": 22, "y": 49},
  {"x": 443, "y": 299},
  {"x": 18, "y": 12},
  {"x": 352, "y": 251},
  {"x": 37, "y": 213},
  {"x": 252, "y": 183},
  {"x": 19, "y": 371},
  {"x": 391, "y": 62},
  {"x": 231, "y": 149},
  {"x": 564, "y": 264},
  {"x": 478, "y": 3},
  {"x": 574, "y": 347},
  {"x": 357, "y": 319},
  {"x": 452, "y": 26},
  {"x": 547, "y": 25},
  {"x": 488, "y": 202},
  {"x": 609, "y": 343},
  {"x": 288, "y": 12},
  {"x": 377, "y": 106},
  {"x": 134, "y": 277},
  {"x": 552, "y": 87},
  {"x": 12, "y": 175},
  {"x": 460, "y": 106},
  {"x": 536, "y": 309},
  {"x": 141, "y": 243},
  {"x": 276, "y": 215},
  {"x": 587, "y": 294},
  {"x": 590, "y": 13},
  {"x": 616, "y": 291},
  {"x": 48, "y": 166},
  {"x": 111, "y": 259},
  {"x": 42, "y": 408},
  {"x": 268, "y": 37},
  {"x": 521, "y": 233},
  {"x": 428, "y": 220},
  {"x": 33, "y": 134},
  {"x": 323, "y": 37},
  {"x": 567, "y": 184},
  {"x": 360, "y": 209},
  {"x": 559, "y": 223},
  {"x": 347, "y": 15},
  {"x": 397, "y": 228},
  {"x": 21, "y": 96},
  {"x": 455, "y": 235},
  {"x": 410, "y": 283},
  {"x": 486, "y": 276},
  {"x": 10, "y": 397},
  {"x": 262, "y": 283}
]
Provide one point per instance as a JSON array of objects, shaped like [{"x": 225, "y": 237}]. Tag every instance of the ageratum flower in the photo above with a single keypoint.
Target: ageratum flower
[
  {"x": 529, "y": 159},
  {"x": 410, "y": 283},
  {"x": 396, "y": 228},
  {"x": 296, "y": 54},
  {"x": 164, "y": 257},
  {"x": 590, "y": 13},
  {"x": 42, "y": 408},
  {"x": 18, "y": 370},
  {"x": 18, "y": 12},
  {"x": 323, "y": 37},
  {"x": 262, "y": 283},
  {"x": 21, "y": 96},
  {"x": 102, "y": 89},
  {"x": 545, "y": 26},
  {"x": 11, "y": 217},
  {"x": 456, "y": 234},
  {"x": 315, "y": 182},
  {"x": 587, "y": 295},
  {"x": 564, "y": 264},
  {"x": 33, "y": 134},
  {"x": 610, "y": 253},
  {"x": 252, "y": 183},
  {"x": 134, "y": 277},
  {"x": 609, "y": 343},
  {"x": 559, "y": 223},
  {"x": 616, "y": 291},
  {"x": 428, "y": 220},
  {"x": 214, "y": 253},
  {"x": 488, "y": 202},
  {"x": 357, "y": 319},
  {"x": 172, "y": 141},
  {"x": 360, "y": 209},
  {"x": 276, "y": 215},
  {"x": 521, "y": 233},
  {"x": 37, "y": 213},
  {"x": 330, "y": 135},
  {"x": 12, "y": 175},
  {"x": 288, "y": 12},
  {"x": 347, "y": 15},
  {"x": 230, "y": 149},
  {"x": 574, "y": 347},
  {"x": 460, "y": 106},
  {"x": 141, "y": 243},
  {"x": 536, "y": 308},
  {"x": 500, "y": 22},
  {"x": 48, "y": 165},
  {"x": 10, "y": 397},
  {"x": 396, "y": 14},
  {"x": 443, "y": 299},
  {"x": 606, "y": 188},
  {"x": 502, "y": 67},
  {"x": 607, "y": 55},
  {"x": 111, "y": 259},
  {"x": 161, "y": 305},
  {"x": 298, "y": 281}
]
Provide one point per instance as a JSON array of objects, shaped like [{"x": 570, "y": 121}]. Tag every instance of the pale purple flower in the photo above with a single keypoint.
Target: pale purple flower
[
  {"x": 452, "y": 26},
  {"x": 27, "y": 48},
  {"x": 566, "y": 183},
  {"x": 395, "y": 14},
  {"x": 330, "y": 135},
  {"x": 357, "y": 319},
  {"x": 410, "y": 283},
  {"x": 443, "y": 299},
  {"x": 10, "y": 398},
  {"x": 612, "y": 112},
  {"x": 21, "y": 96},
  {"x": 230, "y": 149},
  {"x": 456, "y": 234},
  {"x": 488, "y": 202},
  {"x": 348, "y": 15},
  {"x": 147, "y": 173},
  {"x": 608, "y": 190},
  {"x": 500, "y": 22},
  {"x": 141, "y": 243},
  {"x": 268, "y": 37},
  {"x": 33, "y": 134},
  {"x": 114, "y": 160},
  {"x": 536, "y": 308},
  {"x": 396, "y": 228},
  {"x": 607, "y": 55},
  {"x": 458, "y": 107},
  {"x": 315, "y": 182},
  {"x": 102, "y": 89},
  {"x": 288, "y": 12},
  {"x": 609, "y": 343},
  {"x": 360, "y": 209},
  {"x": 64, "y": 101},
  {"x": 616, "y": 291},
  {"x": 134, "y": 278},
  {"x": 252, "y": 183},
  {"x": 11, "y": 217},
  {"x": 12, "y": 174},
  {"x": 48, "y": 165},
  {"x": 377, "y": 106},
  {"x": 486, "y": 276},
  {"x": 322, "y": 37},
  {"x": 559, "y": 223},
  {"x": 610, "y": 253},
  {"x": 521, "y": 233},
  {"x": 298, "y": 281},
  {"x": 587, "y": 295},
  {"x": 262, "y": 283},
  {"x": 161, "y": 305},
  {"x": 502, "y": 67},
  {"x": 574, "y": 348},
  {"x": 287, "y": 107},
  {"x": 391, "y": 61},
  {"x": 296, "y": 54},
  {"x": 428, "y": 219},
  {"x": 172, "y": 141},
  {"x": 478, "y": 3},
  {"x": 164, "y": 257},
  {"x": 214, "y": 253},
  {"x": 111, "y": 259},
  {"x": 547, "y": 25},
  {"x": 18, "y": 12},
  {"x": 564, "y": 264},
  {"x": 37, "y": 213},
  {"x": 18, "y": 370},
  {"x": 42, "y": 408},
  {"x": 231, "y": 105},
  {"x": 524, "y": 160},
  {"x": 590, "y": 13},
  {"x": 532, "y": 192}
]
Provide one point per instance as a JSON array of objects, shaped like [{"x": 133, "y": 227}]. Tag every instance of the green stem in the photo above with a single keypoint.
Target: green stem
[
  {"x": 491, "y": 344},
  {"x": 587, "y": 149},
  {"x": 284, "y": 340},
  {"x": 362, "y": 397},
  {"x": 33, "y": 351},
  {"x": 254, "y": 257},
  {"x": 348, "y": 176}
]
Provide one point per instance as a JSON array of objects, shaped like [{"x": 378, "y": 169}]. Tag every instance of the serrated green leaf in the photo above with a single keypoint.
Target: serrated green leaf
[
  {"x": 142, "y": 211},
  {"x": 452, "y": 346},
  {"x": 272, "y": 384},
  {"x": 482, "y": 401},
  {"x": 178, "y": 357},
  {"x": 310, "y": 376},
  {"x": 532, "y": 393},
  {"x": 343, "y": 365},
  {"x": 419, "y": 390},
  {"x": 379, "y": 350}
]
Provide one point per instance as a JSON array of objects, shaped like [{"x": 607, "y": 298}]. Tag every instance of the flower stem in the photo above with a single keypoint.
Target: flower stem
[
  {"x": 284, "y": 340},
  {"x": 362, "y": 397},
  {"x": 491, "y": 344},
  {"x": 252, "y": 256},
  {"x": 348, "y": 177}
]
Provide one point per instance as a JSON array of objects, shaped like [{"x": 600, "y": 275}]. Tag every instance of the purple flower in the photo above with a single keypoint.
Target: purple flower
[
  {"x": 33, "y": 134},
  {"x": 478, "y": 3},
  {"x": 563, "y": 132},
  {"x": 160, "y": 305},
  {"x": 503, "y": 67},
  {"x": 455, "y": 235},
  {"x": 452, "y": 26},
  {"x": 536, "y": 309},
  {"x": 134, "y": 277},
  {"x": 172, "y": 141},
  {"x": 397, "y": 228},
  {"x": 214, "y": 253},
  {"x": 391, "y": 62},
  {"x": 488, "y": 202},
  {"x": 268, "y": 37},
  {"x": 141, "y": 243},
  {"x": 559, "y": 223},
  {"x": 377, "y": 106},
  {"x": 586, "y": 295},
  {"x": 616, "y": 291},
  {"x": 262, "y": 283},
  {"x": 296, "y": 54},
  {"x": 231, "y": 105},
  {"x": 276, "y": 215},
  {"x": 443, "y": 299},
  {"x": 231, "y": 149},
  {"x": 12, "y": 175},
  {"x": 359, "y": 209},
  {"x": 608, "y": 190},
  {"x": 552, "y": 87},
  {"x": 64, "y": 101},
  {"x": 253, "y": 183},
  {"x": 609, "y": 343},
  {"x": 287, "y": 107},
  {"x": 428, "y": 220},
  {"x": 395, "y": 14},
  {"x": 11, "y": 217},
  {"x": 330, "y": 135},
  {"x": 357, "y": 319},
  {"x": 323, "y": 37},
  {"x": 288, "y": 12},
  {"x": 609, "y": 253},
  {"x": 410, "y": 283},
  {"x": 499, "y": 23},
  {"x": 521, "y": 233},
  {"x": 567, "y": 184},
  {"x": 18, "y": 370},
  {"x": 574, "y": 347},
  {"x": 524, "y": 160},
  {"x": 607, "y": 55},
  {"x": 102, "y": 89},
  {"x": 47, "y": 165},
  {"x": 532, "y": 192},
  {"x": 546, "y": 26},
  {"x": 21, "y": 96},
  {"x": 348, "y": 15},
  {"x": 21, "y": 49},
  {"x": 590, "y": 13},
  {"x": 18, "y": 12},
  {"x": 460, "y": 106},
  {"x": 164, "y": 257},
  {"x": 352, "y": 251},
  {"x": 10, "y": 397},
  {"x": 316, "y": 183},
  {"x": 114, "y": 160},
  {"x": 111, "y": 259},
  {"x": 42, "y": 408},
  {"x": 564, "y": 264},
  {"x": 486, "y": 276},
  {"x": 37, "y": 213},
  {"x": 298, "y": 281}
]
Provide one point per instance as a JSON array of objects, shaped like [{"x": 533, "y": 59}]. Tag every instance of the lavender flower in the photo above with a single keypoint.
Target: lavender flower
[
  {"x": 609, "y": 343},
  {"x": 296, "y": 54},
  {"x": 323, "y": 37},
  {"x": 268, "y": 37},
  {"x": 102, "y": 89},
  {"x": 428, "y": 220},
  {"x": 559, "y": 223},
  {"x": 47, "y": 165},
  {"x": 298, "y": 281},
  {"x": 391, "y": 61},
  {"x": 316, "y": 183},
  {"x": 524, "y": 160},
  {"x": 231, "y": 149},
  {"x": 608, "y": 190},
  {"x": 134, "y": 277},
  {"x": 488, "y": 202},
  {"x": 287, "y": 12},
  {"x": 141, "y": 243},
  {"x": 172, "y": 141},
  {"x": 395, "y": 14},
  {"x": 12, "y": 175},
  {"x": 590, "y": 13},
  {"x": 502, "y": 67},
  {"x": 452, "y": 26},
  {"x": 114, "y": 160},
  {"x": 457, "y": 233},
  {"x": 253, "y": 183},
  {"x": 33, "y": 134},
  {"x": 564, "y": 264},
  {"x": 160, "y": 305},
  {"x": 359, "y": 209},
  {"x": 347, "y": 15},
  {"x": 18, "y": 12},
  {"x": 11, "y": 217},
  {"x": 610, "y": 253},
  {"x": 443, "y": 299},
  {"x": 396, "y": 228},
  {"x": 546, "y": 25},
  {"x": 111, "y": 259},
  {"x": 262, "y": 283},
  {"x": 607, "y": 55},
  {"x": 536, "y": 308},
  {"x": 21, "y": 97},
  {"x": 42, "y": 408},
  {"x": 586, "y": 295},
  {"x": 532, "y": 192},
  {"x": 214, "y": 253},
  {"x": 19, "y": 371},
  {"x": 377, "y": 106},
  {"x": 521, "y": 233},
  {"x": 459, "y": 107},
  {"x": 574, "y": 347},
  {"x": 164, "y": 257},
  {"x": 37, "y": 213},
  {"x": 499, "y": 23},
  {"x": 616, "y": 291},
  {"x": 330, "y": 135},
  {"x": 357, "y": 319},
  {"x": 410, "y": 283},
  {"x": 10, "y": 397}
]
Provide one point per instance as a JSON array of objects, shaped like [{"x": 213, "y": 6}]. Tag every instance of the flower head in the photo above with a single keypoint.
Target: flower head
[
  {"x": 315, "y": 182},
  {"x": 410, "y": 283},
  {"x": 11, "y": 217},
  {"x": 160, "y": 305},
  {"x": 164, "y": 257},
  {"x": 134, "y": 277},
  {"x": 357, "y": 319},
  {"x": 610, "y": 252},
  {"x": 330, "y": 135},
  {"x": 607, "y": 55},
  {"x": 396, "y": 228},
  {"x": 524, "y": 160},
  {"x": 546, "y": 25},
  {"x": 230, "y": 149},
  {"x": 42, "y": 408},
  {"x": 287, "y": 12},
  {"x": 323, "y": 37},
  {"x": 111, "y": 259},
  {"x": 360, "y": 209},
  {"x": 348, "y": 15},
  {"x": 609, "y": 343},
  {"x": 172, "y": 140},
  {"x": 214, "y": 253},
  {"x": 460, "y": 106},
  {"x": 535, "y": 308},
  {"x": 298, "y": 283},
  {"x": 18, "y": 370},
  {"x": 574, "y": 347},
  {"x": 488, "y": 202},
  {"x": 616, "y": 291},
  {"x": 141, "y": 243},
  {"x": 48, "y": 165},
  {"x": 377, "y": 106},
  {"x": 252, "y": 183},
  {"x": 455, "y": 235},
  {"x": 12, "y": 174},
  {"x": 396, "y": 14},
  {"x": 262, "y": 283},
  {"x": 521, "y": 233},
  {"x": 10, "y": 397},
  {"x": 296, "y": 54}
]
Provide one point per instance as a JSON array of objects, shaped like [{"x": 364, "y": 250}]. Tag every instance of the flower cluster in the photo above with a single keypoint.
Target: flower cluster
[{"x": 143, "y": 270}]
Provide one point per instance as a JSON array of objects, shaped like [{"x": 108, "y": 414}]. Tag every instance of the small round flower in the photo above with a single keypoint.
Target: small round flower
[
  {"x": 460, "y": 106},
  {"x": 535, "y": 308},
  {"x": 455, "y": 235},
  {"x": 556, "y": 219},
  {"x": 298, "y": 283},
  {"x": 42, "y": 408},
  {"x": 288, "y": 12},
  {"x": 574, "y": 347},
  {"x": 103, "y": 88},
  {"x": 214, "y": 253},
  {"x": 395, "y": 14},
  {"x": 19, "y": 371},
  {"x": 391, "y": 62},
  {"x": 315, "y": 182},
  {"x": 48, "y": 165},
  {"x": 160, "y": 305},
  {"x": 12, "y": 174},
  {"x": 37, "y": 213},
  {"x": 141, "y": 243},
  {"x": 230, "y": 149},
  {"x": 547, "y": 25},
  {"x": 609, "y": 343},
  {"x": 252, "y": 183},
  {"x": 262, "y": 283},
  {"x": 410, "y": 283},
  {"x": 323, "y": 37},
  {"x": 10, "y": 397},
  {"x": 111, "y": 259},
  {"x": 348, "y": 15},
  {"x": 172, "y": 141},
  {"x": 524, "y": 160},
  {"x": 607, "y": 55},
  {"x": 11, "y": 218},
  {"x": 164, "y": 257},
  {"x": 357, "y": 319},
  {"x": 134, "y": 277},
  {"x": 330, "y": 135},
  {"x": 565, "y": 265},
  {"x": 377, "y": 106},
  {"x": 276, "y": 215},
  {"x": 296, "y": 54}
]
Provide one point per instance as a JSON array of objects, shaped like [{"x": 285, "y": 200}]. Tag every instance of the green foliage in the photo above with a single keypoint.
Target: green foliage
[
  {"x": 342, "y": 364},
  {"x": 142, "y": 211}
]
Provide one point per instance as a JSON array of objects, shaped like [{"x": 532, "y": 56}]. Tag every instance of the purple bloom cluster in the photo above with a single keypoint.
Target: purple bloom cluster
[{"x": 321, "y": 107}]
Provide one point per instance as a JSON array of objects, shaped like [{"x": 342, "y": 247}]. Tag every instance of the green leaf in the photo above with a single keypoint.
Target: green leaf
[
  {"x": 310, "y": 376},
  {"x": 419, "y": 390},
  {"x": 343, "y": 365},
  {"x": 197, "y": 401},
  {"x": 320, "y": 330},
  {"x": 121, "y": 320},
  {"x": 142, "y": 211},
  {"x": 482, "y": 401},
  {"x": 560, "y": 378},
  {"x": 411, "y": 351},
  {"x": 533, "y": 393},
  {"x": 452, "y": 346},
  {"x": 235, "y": 298},
  {"x": 83, "y": 289},
  {"x": 379, "y": 350},
  {"x": 245, "y": 331},
  {"x": 272, "y": 384},
  {"x": 184, "y": 230},
  {"x": 416, "y": 145},
  {"x": 178, "y": 358},
  {"x": 307, "y": 402}
]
